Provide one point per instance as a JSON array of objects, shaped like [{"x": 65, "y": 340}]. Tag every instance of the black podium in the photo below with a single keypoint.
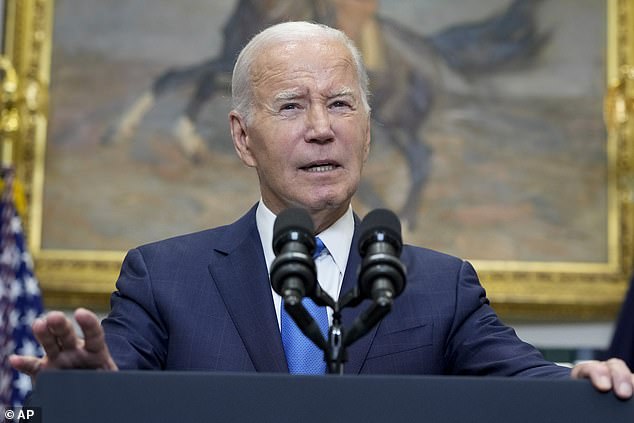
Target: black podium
[{"x": 144, "y": 396}]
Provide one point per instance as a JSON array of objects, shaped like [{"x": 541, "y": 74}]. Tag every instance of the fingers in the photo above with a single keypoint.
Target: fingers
[
  {"x": 612, "y": 374},
  {"x": 596, "y": 371},
  {"x": 64, "y": 349},
  {"x": 29, "y": 365},
  {"x": 94, "y": 339},
  {"x": 62, "y": 328},
  {"x": 621, "y": 378},
  {"x": 90, "y": 326},
  {"x": 56, "y": 333},
  {"x": 45, "y": 338}
]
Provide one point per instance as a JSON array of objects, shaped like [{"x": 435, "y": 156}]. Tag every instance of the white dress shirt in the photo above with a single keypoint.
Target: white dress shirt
[{"x": 330, "y": 267}]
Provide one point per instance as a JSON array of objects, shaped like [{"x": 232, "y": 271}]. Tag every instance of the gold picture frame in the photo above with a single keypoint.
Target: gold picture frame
[{"x": 518, "y": 289}]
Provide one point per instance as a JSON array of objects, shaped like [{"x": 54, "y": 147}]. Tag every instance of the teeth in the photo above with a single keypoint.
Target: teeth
[{"x": 322, "y": 168}]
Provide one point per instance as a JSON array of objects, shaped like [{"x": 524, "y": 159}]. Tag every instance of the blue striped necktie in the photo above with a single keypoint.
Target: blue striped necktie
[{"x": 302, "y": 355}]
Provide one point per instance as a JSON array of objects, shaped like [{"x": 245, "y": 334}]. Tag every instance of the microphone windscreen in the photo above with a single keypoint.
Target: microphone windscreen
[
  {"x": 380, "y": 221},
  {"x": 291, "y": 220}
]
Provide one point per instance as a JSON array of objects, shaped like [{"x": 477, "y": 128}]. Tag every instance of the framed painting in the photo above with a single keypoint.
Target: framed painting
[{"x": 502, "y": 133}]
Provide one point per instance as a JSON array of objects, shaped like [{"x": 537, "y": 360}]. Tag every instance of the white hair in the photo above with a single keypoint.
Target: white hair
[{"x": 241, "y": 87}]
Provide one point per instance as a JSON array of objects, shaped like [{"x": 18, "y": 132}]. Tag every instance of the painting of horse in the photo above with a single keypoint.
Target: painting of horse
[{"x": 486, "y": 131}]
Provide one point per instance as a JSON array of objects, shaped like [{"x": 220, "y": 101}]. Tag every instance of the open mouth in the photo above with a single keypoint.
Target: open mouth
[{"x": 319, "y": 167}]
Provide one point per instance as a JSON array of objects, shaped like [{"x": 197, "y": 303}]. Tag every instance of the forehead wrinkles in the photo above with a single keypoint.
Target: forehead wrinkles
[{"x": 282, "y": 66}]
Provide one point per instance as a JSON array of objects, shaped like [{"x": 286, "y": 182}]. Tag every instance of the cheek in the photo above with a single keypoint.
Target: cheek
[
  {"x": 263, "y": 147},
  {"x": 359, "y": 152},
  {"x": 275, "y": 167},
  {"x": 278, "y": 142}
]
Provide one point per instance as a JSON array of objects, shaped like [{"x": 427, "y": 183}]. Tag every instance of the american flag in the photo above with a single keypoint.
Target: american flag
[{"x": 20, "y": 299}]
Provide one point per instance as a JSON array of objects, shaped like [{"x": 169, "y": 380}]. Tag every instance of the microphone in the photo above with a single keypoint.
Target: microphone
[
  {"x": 381, "y": 275},
  {"x": 293, "y": 272}
]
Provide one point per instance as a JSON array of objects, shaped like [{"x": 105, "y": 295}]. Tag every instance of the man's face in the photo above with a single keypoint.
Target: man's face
[{"x": 309, "y": 133}]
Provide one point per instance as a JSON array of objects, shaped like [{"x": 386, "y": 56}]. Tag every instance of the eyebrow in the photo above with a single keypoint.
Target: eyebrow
[
  {"x": 344, "y": 92},
  {"x": 296, "y": 93},
  {"x": 287, "y": 95}
]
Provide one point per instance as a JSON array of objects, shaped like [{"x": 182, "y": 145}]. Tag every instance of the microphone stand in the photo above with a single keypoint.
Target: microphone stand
[
  {"x": 381, "y": 279},
  {"x": 339, "y": 338}
]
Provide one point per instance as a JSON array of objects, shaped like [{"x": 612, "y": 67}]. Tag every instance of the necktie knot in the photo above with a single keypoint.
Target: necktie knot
[{"x": 320, "y": 248}]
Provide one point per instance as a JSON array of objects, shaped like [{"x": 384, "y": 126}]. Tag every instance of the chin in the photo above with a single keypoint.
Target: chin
[
  {"x": 324, "y": 198},
  {"x": 330, "y": 202}
]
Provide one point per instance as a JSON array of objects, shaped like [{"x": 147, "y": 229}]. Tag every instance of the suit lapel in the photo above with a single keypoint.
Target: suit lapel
[{"x": 239, "y": 270}]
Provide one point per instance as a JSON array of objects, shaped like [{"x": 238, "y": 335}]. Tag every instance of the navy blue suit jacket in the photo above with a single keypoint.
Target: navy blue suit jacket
[{"x": 203, "y": 302}]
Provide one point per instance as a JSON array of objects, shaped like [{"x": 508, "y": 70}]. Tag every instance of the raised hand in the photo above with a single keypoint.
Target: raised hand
[{"x": 64, "y": 349}]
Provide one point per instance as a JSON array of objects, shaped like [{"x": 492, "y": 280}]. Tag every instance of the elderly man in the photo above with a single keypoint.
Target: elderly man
[{"x": 203, "y": 301}]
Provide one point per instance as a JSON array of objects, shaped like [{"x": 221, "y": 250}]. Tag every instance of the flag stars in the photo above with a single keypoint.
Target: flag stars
[
  {"x": 14, "y": 318},
  {"x": 29, "y": 348},
  {"x": 30, "y": 284},
  {"x": 29, "y": 317},
  {"x": 4, "y": 384},
  {"x": 9, "y": 346},
  {"x": 27, "y": 259},
  {"x": 15, "y": 225},
  {"x": 10, "y": 256},
  {"x": 23, "y": 384},
  {"x": 19, "y": 292},
  {"x": 15, "y": 290}
]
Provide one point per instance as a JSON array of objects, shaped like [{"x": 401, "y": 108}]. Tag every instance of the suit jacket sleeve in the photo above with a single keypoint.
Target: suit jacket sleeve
[
  {"x": 478, "y": 343},
  {"x": 168, "y": 313},
  {"x": 135, "y": 332}
]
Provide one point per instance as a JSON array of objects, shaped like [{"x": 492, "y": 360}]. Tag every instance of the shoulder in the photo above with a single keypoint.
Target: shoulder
[
  {"x": 413, "y": 254},
  {"x": 427, "y": 264}
]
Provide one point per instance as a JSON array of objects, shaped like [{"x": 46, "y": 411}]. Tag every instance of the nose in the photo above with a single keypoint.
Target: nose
[{"x": 319, "y": 125}]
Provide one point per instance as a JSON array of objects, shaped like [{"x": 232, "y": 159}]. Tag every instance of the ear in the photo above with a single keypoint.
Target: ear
[
  {"x": 366, "y": 147},
  {"x": 240, "y": 138}
]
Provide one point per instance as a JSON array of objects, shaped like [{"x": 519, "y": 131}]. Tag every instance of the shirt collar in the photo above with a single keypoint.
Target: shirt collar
[
  {"x": 337, "y": 238},
  {"x": 265, "y": 219}
]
